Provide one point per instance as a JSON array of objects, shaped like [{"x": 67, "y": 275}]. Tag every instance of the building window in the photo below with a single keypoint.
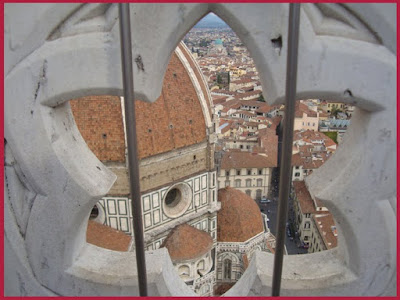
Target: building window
[
  {"x": 248, "y": 193},
  {"x": 308, "y": 215},
  {"x": 177, "y": 200},
  {"x": 259, "y": 171},
  {"x": 259, "y": 182},
  {"x": 306, "y": 237},
  {"x": 297, "y": 174},
  {"x": 248, "y": 171},
  {"x": 237, "y": 183},
  {"x": 306, "y": 225},
  {"x": 227, "y": 268},
  {"x": 94, "y": 213},
  {"x": 297, "y": 167},
  {"x": 173, "y": 197},
  {"x": 237, "y": 172},
  {"x": 248, "y": 182},
  {"x": 258, "y": 194}
]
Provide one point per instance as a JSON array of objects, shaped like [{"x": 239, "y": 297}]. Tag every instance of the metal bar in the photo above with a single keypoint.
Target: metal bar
[
  {"x": 127, "y": 76},
  {"x": 285, "y": 170}
]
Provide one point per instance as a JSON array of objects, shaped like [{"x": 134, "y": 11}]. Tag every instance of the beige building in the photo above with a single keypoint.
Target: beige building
[
  {"x": 248, "y": 172},
  {"x": 305, "y": 118},
  {"x": 329, "y": 106},
  {"x": 236, "y": 72}
]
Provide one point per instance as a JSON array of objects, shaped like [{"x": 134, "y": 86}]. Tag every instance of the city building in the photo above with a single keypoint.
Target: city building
[
  {"x": 249, "y": 172},
  {"x": 217, "y": 48},
  {"x": 311, "y": 149},
  {"x": 329, "y": 107},
  {"x": 305, "y": 118},
  {"x": 313, "y": 221},
  {"x": 323, "y": 233}
]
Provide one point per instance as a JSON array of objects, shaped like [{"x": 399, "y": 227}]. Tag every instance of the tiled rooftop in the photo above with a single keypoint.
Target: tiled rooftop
[
  {"x": 239, "y": 218},
  {"x": 185, "y": 242}
]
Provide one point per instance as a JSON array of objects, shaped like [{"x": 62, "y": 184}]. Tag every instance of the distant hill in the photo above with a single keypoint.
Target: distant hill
[{"x": 211, "y": 21}]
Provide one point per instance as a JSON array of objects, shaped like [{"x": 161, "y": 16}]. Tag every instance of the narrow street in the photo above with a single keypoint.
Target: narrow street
[{"x": 271, "y": 210}]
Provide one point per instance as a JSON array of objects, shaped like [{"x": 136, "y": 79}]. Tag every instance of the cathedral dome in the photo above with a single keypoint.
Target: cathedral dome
[
  {"x": 239, "y": 218},
  {"x": 185, "y": 242},
  {"x": 177, "y": 119}
]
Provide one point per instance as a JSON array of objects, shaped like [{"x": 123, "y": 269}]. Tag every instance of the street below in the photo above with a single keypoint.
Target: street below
[{"x": 292, "y": 242}]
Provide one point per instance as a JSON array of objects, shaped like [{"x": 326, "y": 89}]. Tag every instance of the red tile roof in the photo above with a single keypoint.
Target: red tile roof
[
  {"x": 107, "y": 237},
  {"x": 304, "y": 197},
  {"x": 301, "y": 108},
  {"x": 239, "y": 218},
  {"x": 244, "y": 159},
  {"x": 185, "y": 242},
  {"x": 327, "y": 229}
]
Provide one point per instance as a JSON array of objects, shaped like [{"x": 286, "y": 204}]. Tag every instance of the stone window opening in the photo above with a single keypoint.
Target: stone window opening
[
  {"x": 237, "y": 182},
  {"x": 94, "y": 213},
  {"x": 177, "y": 200},
  {"x": 248, "y": 182},
  {"x": 227, "y": 269},
  {"x": 173, "y": 197}
]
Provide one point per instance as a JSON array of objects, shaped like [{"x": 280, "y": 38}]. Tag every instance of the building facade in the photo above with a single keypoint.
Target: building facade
[
  {"x": 246, "y": 171},
  {"x": 314, "y": 223}
]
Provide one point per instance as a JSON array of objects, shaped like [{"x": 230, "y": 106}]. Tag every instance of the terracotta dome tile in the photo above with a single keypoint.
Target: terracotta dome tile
[
  {"x": 185, "y": 242},
  {"x": 239, "y": 218}
]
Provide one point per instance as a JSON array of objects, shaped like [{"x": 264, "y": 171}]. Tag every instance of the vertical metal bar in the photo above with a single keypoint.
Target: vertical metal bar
[
  {"x": 285, "y": 170},
  {"x": 127, "y": 75}
]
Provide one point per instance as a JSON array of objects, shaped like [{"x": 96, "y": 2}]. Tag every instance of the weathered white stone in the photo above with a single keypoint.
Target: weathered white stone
[{"x": 49, "y": 59}]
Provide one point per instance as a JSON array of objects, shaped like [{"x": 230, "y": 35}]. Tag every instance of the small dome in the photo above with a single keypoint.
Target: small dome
[
  {"x": 239, "y": 218},
  {"x": 185, "y": 242}
]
